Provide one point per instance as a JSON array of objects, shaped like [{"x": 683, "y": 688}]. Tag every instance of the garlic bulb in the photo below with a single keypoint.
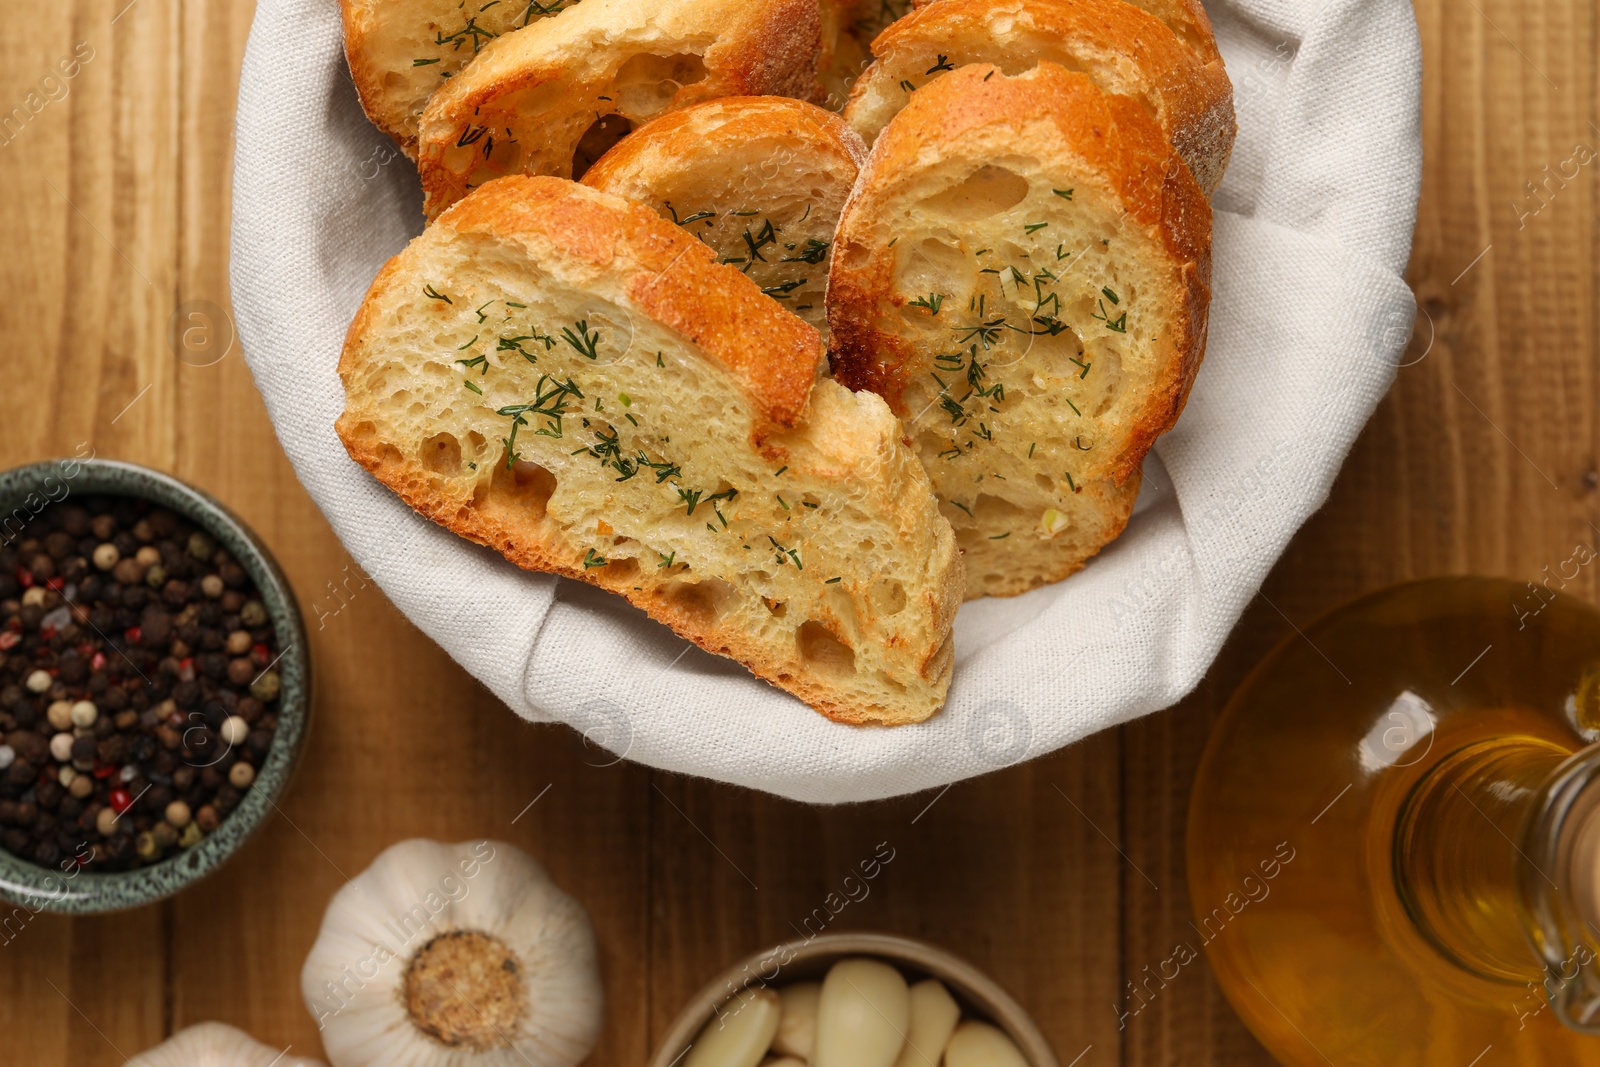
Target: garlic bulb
[
  {"x": 934, "y": 1014},
  {"x": 217, "y": 1045},
  {"x": 862, "y": 1015},
  {"x": 463, "y": 955}
]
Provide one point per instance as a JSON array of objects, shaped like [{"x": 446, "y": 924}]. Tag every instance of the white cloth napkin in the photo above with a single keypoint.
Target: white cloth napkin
[{"x": 1313, "y": 228}]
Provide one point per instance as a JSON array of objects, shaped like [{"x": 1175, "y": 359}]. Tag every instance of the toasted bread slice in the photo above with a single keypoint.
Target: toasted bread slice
[
  {"x": 552, "y": 98},
  {"x": 848, "y": 29},
  {"x": 1023, "y": 272},
  {"x": 402, "y": 51},
  {"x": 1186, "y": 18},
  {"x": 760, "y": 179},
  {"x": 844, "y": 52},
  {"x": 570, "y": 379},
  {"x": 1125, "y": 50}
]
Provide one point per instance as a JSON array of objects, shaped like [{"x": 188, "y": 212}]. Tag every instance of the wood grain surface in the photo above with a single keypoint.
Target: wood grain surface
[{"x": 1063, "y": 878}]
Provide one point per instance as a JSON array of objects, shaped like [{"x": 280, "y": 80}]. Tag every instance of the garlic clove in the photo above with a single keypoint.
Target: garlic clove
[
  {"x": 976, "y": 1044},
  {"x": 862, "y": 1015},
  {"x": 454, "y": 955},
  {"x": 218, "y": 1045},
  {"x": 797, "y": 1026},
  {"x": 934, "y": 1014},
  {"x": 739, "y": 1034}
]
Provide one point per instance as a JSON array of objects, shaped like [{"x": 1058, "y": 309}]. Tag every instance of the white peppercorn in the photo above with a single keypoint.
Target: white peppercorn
[
  {"x": 234, "y": 730},
  {"x": 106, "y": 556},
  {"x": 39, "y": 681},
  {"x": 241, "y": 774},
  {"x": 61, "y": 747},
  {"x": 84, "y": 713}
]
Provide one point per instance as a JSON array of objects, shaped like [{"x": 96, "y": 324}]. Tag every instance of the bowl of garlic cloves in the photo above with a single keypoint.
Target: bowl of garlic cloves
[{"x": 853, "y": 1000}]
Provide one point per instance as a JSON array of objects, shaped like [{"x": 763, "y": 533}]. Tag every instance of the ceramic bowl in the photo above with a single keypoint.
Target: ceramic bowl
[
  {"x": 809, "y": 960},
  {"x": 24, "y": 493}
]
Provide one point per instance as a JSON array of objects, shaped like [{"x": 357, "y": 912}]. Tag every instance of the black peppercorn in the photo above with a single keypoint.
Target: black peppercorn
[
  {"x": 84, "y": 751},
  {"x": 73, "y": 669},
  {"x": 59, "y": 545},
  {"x": 155, "y": 628},
  {"x": 241, "y": 671}
]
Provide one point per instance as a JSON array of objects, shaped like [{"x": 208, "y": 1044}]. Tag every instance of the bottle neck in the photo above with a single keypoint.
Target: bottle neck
[{"x": 1497, "y": 861}]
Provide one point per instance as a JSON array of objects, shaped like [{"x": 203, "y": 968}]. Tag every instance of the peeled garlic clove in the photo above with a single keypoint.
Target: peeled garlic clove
[
  {"x": 862, "y": 1015},
  {"x": 797, "y": 1026},
  {"x": 739, "y": 1034},
  {"x": 455, "y": 955},
  {"x": 934, "y": 1014},
  {"x": 976, "y": 1044},
  {"x": 217, "y": 1045}
]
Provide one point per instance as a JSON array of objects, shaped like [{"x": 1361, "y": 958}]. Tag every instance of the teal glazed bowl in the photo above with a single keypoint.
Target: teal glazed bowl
[{"x": 30, "y": 888}]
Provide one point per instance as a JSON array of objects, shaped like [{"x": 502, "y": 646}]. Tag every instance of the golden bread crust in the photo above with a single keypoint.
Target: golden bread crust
[
  {"x": 1186, "y": 18},
  {"x": 1126, "y": 50},
  {"x": 533, "y": 101},
  {"x": 401, "y": 51}
]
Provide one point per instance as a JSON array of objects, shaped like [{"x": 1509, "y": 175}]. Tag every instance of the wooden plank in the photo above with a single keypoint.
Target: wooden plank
[{"x": 1015, "y": 872}]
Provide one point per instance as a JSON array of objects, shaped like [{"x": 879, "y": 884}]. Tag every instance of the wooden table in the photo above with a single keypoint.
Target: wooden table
[{"x": 1063, "y": 878}]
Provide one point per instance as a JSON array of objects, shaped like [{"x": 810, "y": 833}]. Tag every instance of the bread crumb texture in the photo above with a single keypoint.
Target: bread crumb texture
[
  {"x": 1023, "y": 274},
  {"x": 573, "y": 381}
]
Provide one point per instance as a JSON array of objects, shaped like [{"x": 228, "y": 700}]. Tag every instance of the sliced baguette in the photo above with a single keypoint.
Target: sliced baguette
[
  {"x": 848, "y": 29},
  {"x": 1023, "y": 272},
  {"x": 1186, "y": 18},
  {"x": 760, "y": 179},
  {"x": 552, "y": 98},
  {"x": 1125, "y": 50},
  {"x": 671, "y": 447},
  {"x": 402, "y": 51},
  {"x": 844, "y": 52}
]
